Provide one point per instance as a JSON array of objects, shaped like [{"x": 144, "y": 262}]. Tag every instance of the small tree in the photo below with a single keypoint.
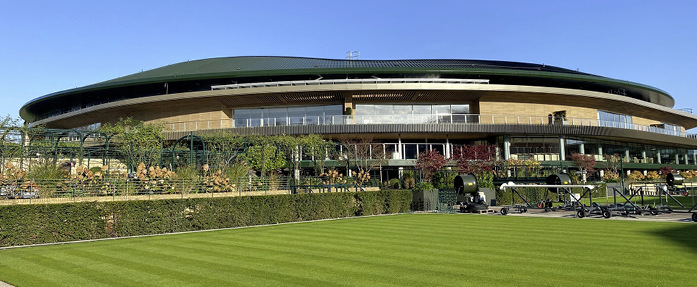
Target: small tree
[
  {"x": 476, "y": 159},
  {"x": 429, "y": 162},
  {"x": 584, "y": 162},
  {"x": 665, "y": 170},
  {"x": 137, "y": 141},
  {"x": 364, "y": 154},
  {"x": 612, "y": 163}
]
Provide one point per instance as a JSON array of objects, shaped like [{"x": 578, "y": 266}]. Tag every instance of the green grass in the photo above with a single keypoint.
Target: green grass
[{"x": 400, "y": 250}]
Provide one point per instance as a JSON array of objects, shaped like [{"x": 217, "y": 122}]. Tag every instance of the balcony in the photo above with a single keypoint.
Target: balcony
[{"x": 437, "y": 119}]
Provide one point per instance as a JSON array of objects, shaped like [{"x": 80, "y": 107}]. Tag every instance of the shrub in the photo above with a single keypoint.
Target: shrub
[
  {"x": 44, "y": 223},
  {"x": 636, "y": 175},
  {"x": 395, "y": 183}
]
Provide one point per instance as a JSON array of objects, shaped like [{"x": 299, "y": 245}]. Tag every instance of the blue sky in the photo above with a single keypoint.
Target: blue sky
[{"x": 48, "y": 46}]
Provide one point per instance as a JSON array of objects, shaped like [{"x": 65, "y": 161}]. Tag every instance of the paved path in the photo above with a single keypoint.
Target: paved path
[{"x": 663, "y": 217}]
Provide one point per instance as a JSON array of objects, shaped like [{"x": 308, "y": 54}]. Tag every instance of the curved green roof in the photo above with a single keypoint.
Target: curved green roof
[{"x": 237, "y": 67}]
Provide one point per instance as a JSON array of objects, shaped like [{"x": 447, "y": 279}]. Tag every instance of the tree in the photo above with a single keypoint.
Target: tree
[
  {"x": 665, "y": 170},
  {"x": 10, "y": 140},
  {"x": 476, "y": 159},
  {"x": 136, "y": 141},
  {"x": 612, "y": 163},
  {"x": 429, "y": 162},
  {"x": 363, "y": 153},
  {"x": 223, "y": 149},
  {"x": 584, "y": 162}
]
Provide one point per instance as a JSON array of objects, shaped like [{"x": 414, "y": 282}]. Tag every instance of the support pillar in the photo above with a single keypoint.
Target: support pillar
[
  {"x": 677, "y": 158},
  {"x": 506, "y": 147},
  {"x": 658, "y": 157},
  {"x": 582, "y": 149},
  {"x": 401, "y": 148},
  {"x": 643, "y": 156},
  {"x": 447, "y": 148},
  {"x": 562, "y": 149},
  {"x": 626, "y": 155}
]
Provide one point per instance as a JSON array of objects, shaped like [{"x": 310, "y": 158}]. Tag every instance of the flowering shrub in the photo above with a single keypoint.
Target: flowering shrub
[
  {"x": 154, "y": 179},
  {"x": 636, "y": 175},
  {"x": 216, "y": 181},
  {"x": 332, "y": 177}
]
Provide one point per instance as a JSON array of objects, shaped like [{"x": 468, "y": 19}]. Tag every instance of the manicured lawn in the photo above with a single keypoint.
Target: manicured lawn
[{"x": 400, "y": 250}]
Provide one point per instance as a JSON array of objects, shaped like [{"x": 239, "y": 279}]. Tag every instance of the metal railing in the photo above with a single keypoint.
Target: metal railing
[
  {"x": 124, "y": 189},
  {"x": 120, "y": 189},
  {"x": 411, "y": 119}
]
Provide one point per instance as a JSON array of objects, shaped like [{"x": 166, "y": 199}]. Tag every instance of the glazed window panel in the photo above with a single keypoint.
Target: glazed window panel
[
  {"x": 402, "y": 109},
  {"x": 241, "y": 117},
  {"x": 614, "y": 120}
]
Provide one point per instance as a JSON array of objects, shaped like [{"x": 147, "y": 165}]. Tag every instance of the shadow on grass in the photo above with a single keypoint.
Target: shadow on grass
[{"x": 684, "y": 235}]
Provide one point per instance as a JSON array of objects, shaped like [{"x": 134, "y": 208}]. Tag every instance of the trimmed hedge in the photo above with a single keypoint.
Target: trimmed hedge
[{"x": 46, "y": 223}]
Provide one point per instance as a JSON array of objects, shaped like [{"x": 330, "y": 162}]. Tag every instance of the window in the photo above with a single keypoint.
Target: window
[
  {"x": 613, "y": 120},
  {"x": 411, "y": 113},
  {"x": 281, "y": 116}
]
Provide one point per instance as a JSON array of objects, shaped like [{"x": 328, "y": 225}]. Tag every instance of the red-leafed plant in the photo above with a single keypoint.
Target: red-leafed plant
[
  {"x": 429, "y": 162},
  {"x": 475, "y": 159},
  {"x": 584, "y": 162}
]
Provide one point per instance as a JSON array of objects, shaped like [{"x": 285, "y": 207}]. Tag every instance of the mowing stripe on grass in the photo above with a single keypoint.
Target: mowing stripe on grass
[{"x": 400, "y": 250}]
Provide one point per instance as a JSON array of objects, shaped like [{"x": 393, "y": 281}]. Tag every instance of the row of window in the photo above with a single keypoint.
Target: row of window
[{"x": 381, "y": 113}]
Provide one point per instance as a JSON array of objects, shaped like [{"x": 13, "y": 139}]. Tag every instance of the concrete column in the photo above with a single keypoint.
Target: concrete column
[
  {"x": 694, "y": 158},
  {"x": 687, "y": 159},
  {"x": 447, "y": 148},
  {"x": 506, "y": 147},
  {"x": 643, "y": 156},
  {"x": 401, "y": 148},
  {"x": 626, "y": 155},
  {"x": 677, "y": 158},
  {"x": 600, "y": 150},
  {"x": 562, "y": 148},
  {"x": 582, "y": 149},
  {"x": 658, "y": 158}
]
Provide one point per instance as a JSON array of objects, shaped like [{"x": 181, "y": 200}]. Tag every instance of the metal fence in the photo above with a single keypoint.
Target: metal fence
[{"x": 121, "y": 189}]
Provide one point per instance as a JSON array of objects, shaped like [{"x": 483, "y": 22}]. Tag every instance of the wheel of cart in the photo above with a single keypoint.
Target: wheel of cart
[
  {"x": 694, "y": 216},
  {"x": 517, "y": 208},
  {"x": 581, "y": 213}
]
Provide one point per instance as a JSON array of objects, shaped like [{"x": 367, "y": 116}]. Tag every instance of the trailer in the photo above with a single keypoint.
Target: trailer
[{"x": 570, "y": 201}]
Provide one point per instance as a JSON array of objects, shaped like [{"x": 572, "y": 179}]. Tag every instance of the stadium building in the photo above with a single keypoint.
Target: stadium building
[{"x": 408, "y": 106}]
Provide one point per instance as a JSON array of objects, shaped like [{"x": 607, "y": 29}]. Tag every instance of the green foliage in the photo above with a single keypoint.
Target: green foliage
[
  {"x": 223, "y": 148},
  {"x": 395, "y": 183},
  {"x": 444, "y": 180},
  {"x": 34, "y": 224},
  {"x": 423, "y": 186},
  {"x": 46, "y": 170},
  {"x": 237, "y": 170},
  {"x": 136, "y": 141},
  {"x": 485, "y": 179},
  {"x": 264, "y": 158}
]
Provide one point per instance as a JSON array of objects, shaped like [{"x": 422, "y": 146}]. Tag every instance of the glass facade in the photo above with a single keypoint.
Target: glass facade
[
  {"x": 284, "y": 116},
  {"x": 613, "y": 120},
  {"x": 415, "y": 114}
]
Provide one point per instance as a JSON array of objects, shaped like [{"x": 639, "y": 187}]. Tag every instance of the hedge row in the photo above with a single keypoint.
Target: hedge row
[{"x": 34, "y": 224}]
